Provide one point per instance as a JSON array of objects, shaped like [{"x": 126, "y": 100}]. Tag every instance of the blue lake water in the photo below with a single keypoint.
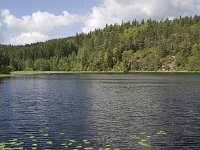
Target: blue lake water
[{"x": 116, "y": 111}]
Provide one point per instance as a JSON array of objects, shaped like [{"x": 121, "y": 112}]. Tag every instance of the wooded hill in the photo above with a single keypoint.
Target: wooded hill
[{"x": 168, "y": 45}]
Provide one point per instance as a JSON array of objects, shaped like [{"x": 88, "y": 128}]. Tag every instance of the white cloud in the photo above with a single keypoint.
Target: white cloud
[
  {"x": 98, "y": 19},
  {"x": 42, "y": 22},
  {"x": 39, "y": 25},
  {"x": 36, "y": 27},
  {"x": 114, "y": 11},
  {"x": 28, "y": 38},
  {"x": 2, "y": 27}
]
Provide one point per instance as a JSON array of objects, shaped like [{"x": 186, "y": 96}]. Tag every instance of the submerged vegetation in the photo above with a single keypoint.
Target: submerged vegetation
[{"x": 166, "y": 45}]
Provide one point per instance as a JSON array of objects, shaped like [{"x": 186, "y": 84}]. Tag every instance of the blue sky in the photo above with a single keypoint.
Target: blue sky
[
  {"x": 29, "y": 21},
  {"x": 27, "y": 7}
]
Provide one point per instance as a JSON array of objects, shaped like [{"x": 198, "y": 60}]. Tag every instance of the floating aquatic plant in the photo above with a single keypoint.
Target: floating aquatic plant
[
  {"x": 18, "y": 148},
  {"x": 161, "y": 133},
  {"x": 88, "y": 148},
  {"x": 49, "y": 142},
  {"x": 144, "y": 138},
  {"x": 70, "y": 144},
  {"x": 79, "y": 146},
  {"x": 63, "y": 144},
  {"x": 87, "y": 142},
  {"x": 144, "y": 144},
  {"x": 19, "y": 144},
  {"x": 13, "y": 140},
  {"x": 142, "y": 133},
  {"x": 32, "y": 137},
  {"x": 2, "y": 145},
  {"x": 15, "y": 144},
  {"x": 148, "y": 136},
  {"x": 107, "y": 148},
  {"x": 41, "y": 131},
  {"x": 34, "y": 144},
  {"x": 134, "y": 137},
  {"x": 46, "y": 134},
  {"x": 72, "y": 141}
]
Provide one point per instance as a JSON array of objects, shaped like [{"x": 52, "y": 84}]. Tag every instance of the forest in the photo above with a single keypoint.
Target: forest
[{"x": 147, "y": 45}]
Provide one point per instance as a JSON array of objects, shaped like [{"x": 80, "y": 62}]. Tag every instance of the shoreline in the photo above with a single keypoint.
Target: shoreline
[
  {"x": 93, "y": 72},
  {"x": 5, "y": 75}
]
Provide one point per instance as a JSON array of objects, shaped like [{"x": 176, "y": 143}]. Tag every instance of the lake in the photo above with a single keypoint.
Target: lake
[{"x": 108, "y": 111}]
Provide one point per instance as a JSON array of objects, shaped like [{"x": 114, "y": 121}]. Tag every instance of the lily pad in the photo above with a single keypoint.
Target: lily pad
[
  {"x": 13, "y": 143},
  {"x": 79, "y": 146},
  {"x": 88, "y": 148},
  {"x": 13, "y": 140},
  {"x": 144, "y": 144},
  {"x": 46, "y": 134},
  {"x": 63, "y": 144},
  {"x": 72, "y": 141},
  {"x": 70, "y": 144},
  {"x": 107, "y": 149},
  {"x": 49, "y": 142},
  {"x": 87, "y": 142},
  {"x": 31, "y": 137},
  {"x": 134, "y": 137},
  {"x": 161, "y": 133},
  {"x": 20, "y": 143},
  {"x": 18, "y": 148}
]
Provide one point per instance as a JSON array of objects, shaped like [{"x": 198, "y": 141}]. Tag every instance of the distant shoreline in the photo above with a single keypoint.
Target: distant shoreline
[
  {"x": 5, "y": 75},
  {"x": 91, "y": 72},
  {"x": 94, "y": 72}
]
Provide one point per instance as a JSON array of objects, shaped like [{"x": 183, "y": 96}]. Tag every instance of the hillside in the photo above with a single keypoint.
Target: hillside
[{"x": 168, "y": 45}]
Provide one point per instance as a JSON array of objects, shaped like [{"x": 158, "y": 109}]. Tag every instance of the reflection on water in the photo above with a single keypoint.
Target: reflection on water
[{"x": 125, "y": 111}]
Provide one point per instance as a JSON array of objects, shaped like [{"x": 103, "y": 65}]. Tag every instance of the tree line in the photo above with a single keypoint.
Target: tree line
[{"x": 166, "y": 45}]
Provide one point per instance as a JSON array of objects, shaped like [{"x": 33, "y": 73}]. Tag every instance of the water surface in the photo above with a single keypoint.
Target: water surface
[{"x": 107, "y": 110}]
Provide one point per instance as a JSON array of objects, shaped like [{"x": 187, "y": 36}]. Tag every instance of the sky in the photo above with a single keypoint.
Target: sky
[{"x": 29, "y": 21}]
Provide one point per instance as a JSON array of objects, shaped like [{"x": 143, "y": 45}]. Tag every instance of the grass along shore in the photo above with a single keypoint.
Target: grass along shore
[
  {"x": 62, "y": 72},
  {"x": 92, "y": 72},
  {"x": 88, "y": 72},
  {"x": 4, "y": 75}
]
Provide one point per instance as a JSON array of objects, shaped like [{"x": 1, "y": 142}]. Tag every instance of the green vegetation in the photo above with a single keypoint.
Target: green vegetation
[
  {"x": 60, "y": 72},
  {"x": 144, "y": 139},
  {"x": 43, "y": 140},
  {"x": 49, "y": 142},
  {"x": 4, "y": 75},
  {"x": 90, "y": 72},
  {"x": 167, "y": 45}
]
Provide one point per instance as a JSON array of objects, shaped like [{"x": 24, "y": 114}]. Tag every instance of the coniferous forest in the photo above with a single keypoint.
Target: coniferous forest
[{"x": 167, "y": 45}]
